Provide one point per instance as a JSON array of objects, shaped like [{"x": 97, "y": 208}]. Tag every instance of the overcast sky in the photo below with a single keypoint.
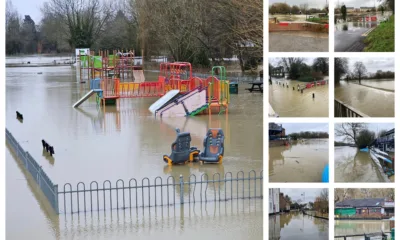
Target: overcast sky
[
  {"x": 295, "y": 193},
  {"x": 302, "y": 127},
  {"x": 311, "y": 3},
  {"x": 357, "y": 3},
  {"x": 374, "y": 64},
  {"x": 31, "y": 7},
  {"x": 376, "y": 127}
]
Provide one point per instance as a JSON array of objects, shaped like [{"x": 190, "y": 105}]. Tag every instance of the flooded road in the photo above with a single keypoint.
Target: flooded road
[
  {"x": 123, "y": 141},
  {"x": 368, "y": 100},
  {"x": 295, "y": 225},
  {"x": 349, "y": 227},
  {"x": 299, "y": 162},
  {"x": 351, "y": 165},
  {"x": 291, "y": 103}
]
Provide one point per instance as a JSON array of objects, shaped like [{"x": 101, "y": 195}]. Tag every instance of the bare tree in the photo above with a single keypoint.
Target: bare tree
[
  {"x": 359, "y": 70},
  {"x": 349, "y": 131},
  {"x": 82, "y": 21}
]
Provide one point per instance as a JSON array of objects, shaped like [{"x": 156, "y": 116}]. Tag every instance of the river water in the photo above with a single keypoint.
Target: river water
[
  {"x": 299, "y": 162},
  {"x": 352, "y": 227},
  {"x": 367, "y": 99},
  {"x": 287, "y": 102},
  {"x": 295, "y": 225},
  {"x": 120, "y": 142}
]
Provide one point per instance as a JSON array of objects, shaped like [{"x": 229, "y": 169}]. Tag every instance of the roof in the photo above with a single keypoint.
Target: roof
[{"x": 362, "y": 202}]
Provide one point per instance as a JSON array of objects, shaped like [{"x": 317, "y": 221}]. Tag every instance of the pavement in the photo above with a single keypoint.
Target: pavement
[
  {"x": 298, "y": 42},
  {"x": 351, "y": 40}
]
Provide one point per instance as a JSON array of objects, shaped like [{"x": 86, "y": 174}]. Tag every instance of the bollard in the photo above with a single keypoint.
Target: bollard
[
  {"x": 287, "y": 85},
  {"x": 301, "y": 90},
  {"x": 49, "y": 149},
  {"x": 293, "y": 88},
  {"x": 313, "y": 95},
  {"x": 20, "y": 116}
]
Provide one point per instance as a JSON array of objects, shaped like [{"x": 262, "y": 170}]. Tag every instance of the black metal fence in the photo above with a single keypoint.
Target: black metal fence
[{"x": 142, "y": 193}]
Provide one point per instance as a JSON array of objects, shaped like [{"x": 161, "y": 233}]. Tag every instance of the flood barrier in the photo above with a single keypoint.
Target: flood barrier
[{"x": 141, "y": 193}]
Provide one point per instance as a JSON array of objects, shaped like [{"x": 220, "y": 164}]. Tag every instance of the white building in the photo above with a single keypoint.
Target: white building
[{"x": 274, "y": 200}]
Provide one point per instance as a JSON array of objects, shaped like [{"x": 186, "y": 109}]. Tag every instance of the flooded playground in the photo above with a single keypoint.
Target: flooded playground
[
  {"x": 353, "y": 227},
  {"x": 352, "y": 165},
  {"x": 369, "y": 100},
  {"x": 287, "y": 102},
  {"x": 301, "y": 161},
  {"x": 121, "y": 142},
  {"x": 295, "y": 225}
]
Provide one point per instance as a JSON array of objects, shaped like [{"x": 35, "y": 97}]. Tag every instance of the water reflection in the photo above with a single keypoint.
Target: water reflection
[
  {"x": 295, "y": 225},
  {"x": 352, "y": 227},
  {"x": 351, "y": 165},
  {"x": 299, "y": 162}
]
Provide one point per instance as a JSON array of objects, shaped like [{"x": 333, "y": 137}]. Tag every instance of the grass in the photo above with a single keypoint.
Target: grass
[
  {"x": 319, "y": 20},
  {"x": 382, "y": 38}
]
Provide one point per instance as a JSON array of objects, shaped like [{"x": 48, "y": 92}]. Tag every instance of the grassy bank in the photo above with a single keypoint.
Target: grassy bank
[{"x": 382, "y": 38}]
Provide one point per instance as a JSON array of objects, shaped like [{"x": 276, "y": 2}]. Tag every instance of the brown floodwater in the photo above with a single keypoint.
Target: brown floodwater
[
  {"x": 351, "y": 165},
  {"x": 299, "y": 162},
  {"x": 119, "y": 142},
  {"x": 369, "y": 100},
  {"x": 287, "y": 102},
  {"x": 295, "y": 225},
  {"x": 353, "y": 227}
]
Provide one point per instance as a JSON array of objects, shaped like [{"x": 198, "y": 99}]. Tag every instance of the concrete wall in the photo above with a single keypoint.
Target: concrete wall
[{"x": 287, "y": 26}]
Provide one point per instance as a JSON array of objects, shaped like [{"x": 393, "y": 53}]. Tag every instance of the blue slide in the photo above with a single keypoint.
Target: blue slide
[{"x": 325, "y": 174}]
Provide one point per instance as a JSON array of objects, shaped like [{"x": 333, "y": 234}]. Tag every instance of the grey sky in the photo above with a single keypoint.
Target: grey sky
[
  {"x": 374, "y": 64},
  {"x": 31, "y": 8},
  {"x": 357, "y": 3},
  {"x": 376, "y": 127},
  {"x": 302, "y": 127},
  {"x": 295, "y": 193},
  {"x": 311, "y": 3}
]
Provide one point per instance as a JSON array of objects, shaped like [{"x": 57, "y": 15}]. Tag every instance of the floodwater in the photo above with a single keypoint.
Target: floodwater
[
  {"x": 299, "y": 162},
  {"x": 29, "y": 216},
  {"x": 351, "y": 165},
  {"x": 371, "y": 101},
  {"x": 295, "y": 225},
  {"x": 382, "y": 84},
  {"x": 352, "y": 227},
  {"x": 287, "y": 102},
  {"x": 121, "y": 142}
]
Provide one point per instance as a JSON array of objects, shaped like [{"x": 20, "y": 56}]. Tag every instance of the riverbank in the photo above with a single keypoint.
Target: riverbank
[
  {"x": 317, "y": 215},
  {"x": 383, "y": 89},
  {"x": 382, "y": 38}
]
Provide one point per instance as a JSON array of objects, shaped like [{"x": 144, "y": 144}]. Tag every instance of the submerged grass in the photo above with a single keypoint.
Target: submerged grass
[{"x": 382, "y": 38}]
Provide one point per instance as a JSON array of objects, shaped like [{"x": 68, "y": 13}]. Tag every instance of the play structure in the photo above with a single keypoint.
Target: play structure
[
  {"x": 182, "y": 152},
  {"x": 180, "y": 93}
]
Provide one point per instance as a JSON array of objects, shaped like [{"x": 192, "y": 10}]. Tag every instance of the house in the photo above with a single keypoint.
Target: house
[
  {"x": 365, "y": 208},
  {"x": 284, "y": 205},
  {"x": 366, "y": 9},
  {"x": 386, "y": 142},
  {"x": 274, "y": 201}
]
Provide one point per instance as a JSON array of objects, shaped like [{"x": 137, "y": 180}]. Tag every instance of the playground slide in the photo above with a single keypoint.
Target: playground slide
[
  {"x": 84, "y": 98},
  {"x": 163, "y": 100},
  {"x": 185, "y": 104},
  {"x": 138, "y": 75}
]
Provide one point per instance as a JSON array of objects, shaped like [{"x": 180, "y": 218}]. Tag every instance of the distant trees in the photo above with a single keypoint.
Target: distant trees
[
  {"x": 389, "y": 4},
  {"x": 321, "y": 203},
  {"x": 308, "y": 135},
  {"x": 13, "y": 30},
  {"x": 381, "y": 75},
  {"x": 321, "y": 65},
  {"x": 359, "y": 70},
  {"x": 343, "y": 11},
  {"x": 298, "y": 70},
  {"x": 295, "y": 9},
  {"x": 341, "y": 68},
  {"x": 279, "y": 8},
  {"x": 352, "y": 193}
]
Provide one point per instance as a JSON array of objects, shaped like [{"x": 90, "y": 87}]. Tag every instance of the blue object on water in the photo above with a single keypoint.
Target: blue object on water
[
  {"x": 325, "y": 174},
  {"x": 364, "y": 149}
]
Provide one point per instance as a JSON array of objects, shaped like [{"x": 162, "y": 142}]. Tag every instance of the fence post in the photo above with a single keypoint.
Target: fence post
[
  {"x": 181, "y": 186},
  {"x": 55, "y": 189}
]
